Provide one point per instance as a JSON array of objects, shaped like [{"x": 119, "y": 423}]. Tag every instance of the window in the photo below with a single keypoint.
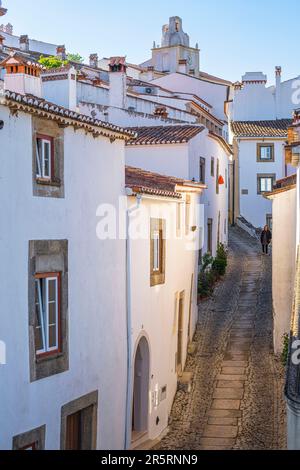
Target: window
[
  {"x": 79, "y": 423},
  {"x": 265, "y": 183},
  {"x": 212, "y": 166},
  {"x": 265, "y": 152},
  {"x": 202, "y": 170},
  {"x": 47, "y": 308},
  {"x": 31, "y": 440},
  {"x": 209, "y": 235},
  {"x": 44, "y": 157},
  {"x": 187, "y": 214},
  {"x": 48, "y": 318},
  {"x": 47, "y": 158},
  {"x": 157, "y": 252},
  {"x": 217, "y": 177}
]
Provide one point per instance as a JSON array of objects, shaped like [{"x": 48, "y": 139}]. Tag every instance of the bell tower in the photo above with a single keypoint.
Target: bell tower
[{"x": 175, "y": 53}]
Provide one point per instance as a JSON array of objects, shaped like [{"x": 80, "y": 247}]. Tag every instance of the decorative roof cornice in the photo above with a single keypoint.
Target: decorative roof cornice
[{"x": 39, "y": 107}]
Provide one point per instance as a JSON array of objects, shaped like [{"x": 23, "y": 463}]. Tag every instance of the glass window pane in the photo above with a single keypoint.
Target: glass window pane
[
  {"x": 265, "y": 153},
  {"x": 52, "y": 290},
  {"x": 38, "y": 157},
  {"x": 156, "y": 251},
  {"x": 52, "y": 337},
  {"x": 47, "y": 162},
  {"x": 52, "y": 313}
]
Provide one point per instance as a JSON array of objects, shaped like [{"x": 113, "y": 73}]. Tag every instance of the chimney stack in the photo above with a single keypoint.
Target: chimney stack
[
  {"x": 60, "y": 86},
  {"x": 94, "y": 60},
  {"x": 61, "y": 52},
  {"x": 278, "y": 91},
  {"x": 24, "y": 43},
  {"x": 22, "y": 75},
  {"x": 117, "y": 82}
]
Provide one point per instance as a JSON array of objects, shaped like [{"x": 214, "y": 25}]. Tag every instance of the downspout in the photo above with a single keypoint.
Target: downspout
[{"x": 129, "y": 211}]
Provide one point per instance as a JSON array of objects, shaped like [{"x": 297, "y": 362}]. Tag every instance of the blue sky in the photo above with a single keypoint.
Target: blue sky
[{"x": 234, "y": 35}]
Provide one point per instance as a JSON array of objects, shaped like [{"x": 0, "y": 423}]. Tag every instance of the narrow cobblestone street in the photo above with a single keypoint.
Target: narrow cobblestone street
[{"x": 236, "y": 400}]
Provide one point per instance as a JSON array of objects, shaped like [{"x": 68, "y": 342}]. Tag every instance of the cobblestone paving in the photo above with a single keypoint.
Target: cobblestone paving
[{"x": 236, "y": 400}]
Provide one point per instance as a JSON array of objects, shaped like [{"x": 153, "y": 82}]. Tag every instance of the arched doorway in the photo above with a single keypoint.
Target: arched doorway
[{"x": 140, "y": 403}]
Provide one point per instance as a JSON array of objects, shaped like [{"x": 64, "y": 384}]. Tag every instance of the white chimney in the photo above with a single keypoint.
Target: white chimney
[
  {"x": 278, "y": 91},
  {"x": 61, "y": 52},
  {"x": 24, "y": 43},
  {"x": 117, "y": 83},
  {"x": 22, "y": 76},
  {"x": 94, "y": 59},
  {"x": 59, "y": 86},
  {"x": 150, "y": 73},
  {"x": 254, "y": 78}
]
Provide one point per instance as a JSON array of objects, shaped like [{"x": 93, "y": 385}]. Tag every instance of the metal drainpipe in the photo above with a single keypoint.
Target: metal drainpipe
[{"x": 129, "y": 325}]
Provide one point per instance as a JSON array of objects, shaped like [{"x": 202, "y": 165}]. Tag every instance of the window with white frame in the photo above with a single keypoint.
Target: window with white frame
[
  {"x": 47, "y": 313},
  {"x": 265, "y": 152},
  {"x": 265, "y": 183},
  {"x": 44, "y": 152}
]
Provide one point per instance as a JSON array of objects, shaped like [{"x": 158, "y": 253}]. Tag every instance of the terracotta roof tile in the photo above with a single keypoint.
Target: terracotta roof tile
[
  {"x": 164, "y": 134},
  {"x": 30, "y": 102},
  {"x": 147, "y": 182},
  {"x": 276, "y": 128}
]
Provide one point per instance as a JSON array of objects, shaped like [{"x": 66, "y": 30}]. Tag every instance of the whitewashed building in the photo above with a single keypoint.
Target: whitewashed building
[
  {"x": 259, "y": 116},
  {"x": 57, "y": 277},
  {"x": 189, "y": 152},
  {"x": 163, "y": 271},
  {"x": 286, "y": 275}
]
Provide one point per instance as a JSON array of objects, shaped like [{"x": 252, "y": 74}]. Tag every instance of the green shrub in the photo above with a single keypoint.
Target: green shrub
[
  {"x": 52, "y": 62},
  {"x": 220, "y": 262},
  {"x": 211, "y": 270}
]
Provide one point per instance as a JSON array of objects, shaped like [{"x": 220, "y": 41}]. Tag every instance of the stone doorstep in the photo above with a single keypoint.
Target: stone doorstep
[
  {"x": 220, "y": 431},
  {"x": 223, "y": 421},
  {"x": 227, "y": 404},
  {"x": 230, "y": 384},
  {"x": 214, "y": 442},
  {"x": 229, "y": 393}
]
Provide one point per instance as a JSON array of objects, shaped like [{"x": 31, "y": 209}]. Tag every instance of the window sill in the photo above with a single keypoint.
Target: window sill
[
  {"x": 157, "y": 279},
  {"x": 48, "y": 357},
  {"x": 46, "y": 182}
]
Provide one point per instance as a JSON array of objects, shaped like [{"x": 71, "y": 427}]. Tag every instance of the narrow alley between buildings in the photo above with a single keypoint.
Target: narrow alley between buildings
[{"x": 236, "y": 398}]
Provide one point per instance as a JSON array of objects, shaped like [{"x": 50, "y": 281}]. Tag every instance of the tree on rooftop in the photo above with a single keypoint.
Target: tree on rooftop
[
  {"x": 75, "y": 58},
  {"x": 52, "y": 62}
]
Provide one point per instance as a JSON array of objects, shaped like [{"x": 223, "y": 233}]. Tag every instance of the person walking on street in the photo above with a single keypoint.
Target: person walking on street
[{"x": 265, "y": 239}]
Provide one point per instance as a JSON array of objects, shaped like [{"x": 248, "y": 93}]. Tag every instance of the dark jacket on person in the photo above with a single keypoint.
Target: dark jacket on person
[{"x": 267, "y": 237}]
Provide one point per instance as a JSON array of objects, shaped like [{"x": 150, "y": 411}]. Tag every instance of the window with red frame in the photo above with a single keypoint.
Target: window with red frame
[
  {"x": 47, "y": 313},
  {"x": 44, "y": 157},
  {"x": 32, "y": 446}
]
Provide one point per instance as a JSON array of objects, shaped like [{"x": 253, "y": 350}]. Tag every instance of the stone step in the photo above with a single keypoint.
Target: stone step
[
  {"x": 215, "y": 443},
  {"x": 223, "y": 421},
  {"x": 230, "y": 384},
  {"x": 219, "y": 404},
  {"x": 224, "y": 413},
  {"x": 212, "y": 430},
  {"x": 229, "y": 393}
]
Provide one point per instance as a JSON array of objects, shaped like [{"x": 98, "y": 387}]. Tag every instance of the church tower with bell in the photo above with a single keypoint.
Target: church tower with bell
[{"x": 175, "y": 54}]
